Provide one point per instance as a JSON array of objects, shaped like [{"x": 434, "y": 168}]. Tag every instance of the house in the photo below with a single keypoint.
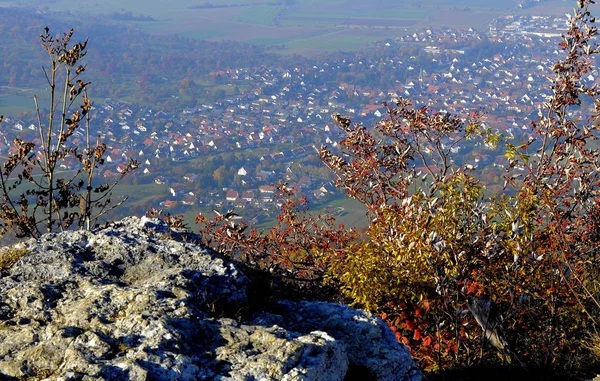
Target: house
[
  {"x": 190, "y": 177},
  {"x": 248, "y": 195},
  {"x": 267, "y": 189},
  {"x": 169, "y": 204},
  {"x": 232, "y": 195},
  {"x": 323, "y": 191},
  {"x": 266, "y": 192},
  {"x": 240, "y": 203},
  {"x": 189, "y": 199},
  {"x": 122, "y": 167},
  {"x": 161, "y": 180}
]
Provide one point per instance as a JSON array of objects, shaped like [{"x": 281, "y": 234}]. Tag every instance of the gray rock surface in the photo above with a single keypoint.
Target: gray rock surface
[{"x": 139, "y": 301}]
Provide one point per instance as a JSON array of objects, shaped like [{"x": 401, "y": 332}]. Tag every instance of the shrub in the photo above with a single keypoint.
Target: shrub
[
  {"x": 462, "y": 277},
  {"x": 453, "y": 270},
  {"x": 429, "y": 232},
  {"x": 296, "y": 251},
  {"x": 34, "y": 199}
]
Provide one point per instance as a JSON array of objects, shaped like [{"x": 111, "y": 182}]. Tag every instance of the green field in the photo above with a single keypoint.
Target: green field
[
  {"x": 303, "y": 26},
  {"x": 14, "y": 102},
  {"x": 396, "y": 13},
  {"x": 263, "y": 14},
  {"x": 343, "y": 40},
  {"x": 353, "y": 213}
]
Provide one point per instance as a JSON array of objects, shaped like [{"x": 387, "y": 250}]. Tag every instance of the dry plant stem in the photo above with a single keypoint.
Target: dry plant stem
[
  {"x": 89, "y": 173},
  {"x": 47, "y": 149},
  {"x": 60, "y": 203}
]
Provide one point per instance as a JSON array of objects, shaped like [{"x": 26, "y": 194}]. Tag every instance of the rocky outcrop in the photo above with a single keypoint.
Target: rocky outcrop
[{"x": 137, "y": 301}]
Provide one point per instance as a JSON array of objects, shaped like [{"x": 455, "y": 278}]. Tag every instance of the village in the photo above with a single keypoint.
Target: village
[{"x": 281, "y": 116}]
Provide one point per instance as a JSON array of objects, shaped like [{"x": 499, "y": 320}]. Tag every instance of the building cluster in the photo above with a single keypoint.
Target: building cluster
[{"x": 286, "y": 111}]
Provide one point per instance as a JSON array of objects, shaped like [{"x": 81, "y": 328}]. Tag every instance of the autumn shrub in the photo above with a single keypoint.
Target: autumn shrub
[
  {"x": 34, "y": 197},
  {"x": 296, "y": 251},
  {"x": 463, "y": 277}
]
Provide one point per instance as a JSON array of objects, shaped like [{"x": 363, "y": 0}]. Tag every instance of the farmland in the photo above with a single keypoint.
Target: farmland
[{"x": 301, "y": 26}]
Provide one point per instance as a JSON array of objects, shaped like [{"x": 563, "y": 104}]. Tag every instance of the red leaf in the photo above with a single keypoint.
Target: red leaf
[
  {"x": 417, "y": 335},
  {"x": 427, "y": 341},
  {"x": 399, "y": 337}
]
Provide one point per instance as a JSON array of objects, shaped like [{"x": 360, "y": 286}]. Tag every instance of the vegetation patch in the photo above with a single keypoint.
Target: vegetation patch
[
  {"x": 9, "y": 256},
  {"x": 463, "y": 277}
]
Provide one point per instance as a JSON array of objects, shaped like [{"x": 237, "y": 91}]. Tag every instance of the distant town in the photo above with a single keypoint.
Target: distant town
[{"x": 276, "y": 118}]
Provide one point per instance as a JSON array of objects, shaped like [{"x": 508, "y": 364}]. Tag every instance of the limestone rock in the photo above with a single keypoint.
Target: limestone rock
[
  {"x": 137, "y": 301},
  {"x": 368, "y": 341}
]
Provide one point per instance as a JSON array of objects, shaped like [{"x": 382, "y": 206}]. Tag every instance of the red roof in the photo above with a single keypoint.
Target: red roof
[{"x": 373, "y": 107}]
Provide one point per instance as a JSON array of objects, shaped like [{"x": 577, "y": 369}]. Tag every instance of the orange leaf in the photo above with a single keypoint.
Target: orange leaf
[
  {"x": 417, "y": 335},
  {"x": 454, "y": 348},
  {"x": 410, "y": 324}
]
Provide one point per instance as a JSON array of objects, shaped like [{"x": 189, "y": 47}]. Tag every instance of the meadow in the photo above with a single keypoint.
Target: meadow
[
  {"x": 301, "y": 26},
  {"x": 16, "y": 103}
]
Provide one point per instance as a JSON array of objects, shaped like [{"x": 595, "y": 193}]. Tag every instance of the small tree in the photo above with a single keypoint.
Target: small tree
[{"x": 34, "y": 199}]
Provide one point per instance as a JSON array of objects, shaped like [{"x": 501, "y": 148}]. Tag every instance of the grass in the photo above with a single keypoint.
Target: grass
[
  {"x": 14, "y": 101},
  {"x": 555, "y": 7},
  {"x": 263, "y": 14},
  {"x": 204, "y": 34},
  {"x": 353, "y": 212},
  {"x": 10, "y": 255},
  {"x": 348, "y": 212},
  {"x": 323, "y": 2},
  {"x": 400, "y": 13},
  {"x": 317, "y": 23},
  {"x": 140, "y": 191},
  {"x": 302, "y": 26},
  {"x": 139, "y": 197},
  {"x": 342, "y": 42}
]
